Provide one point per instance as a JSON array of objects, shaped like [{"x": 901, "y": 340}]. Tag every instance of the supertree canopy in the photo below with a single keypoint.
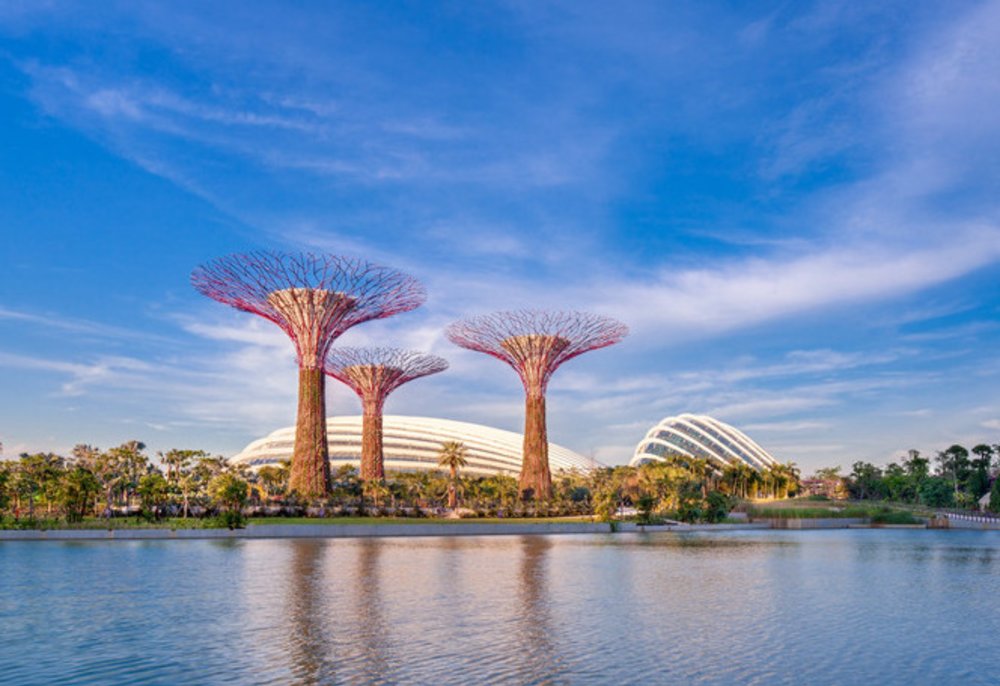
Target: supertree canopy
[
  {"x": 374, "y": 373},
  {"x": 535, "y": 343},
  {"x": 314, "y": 299}
]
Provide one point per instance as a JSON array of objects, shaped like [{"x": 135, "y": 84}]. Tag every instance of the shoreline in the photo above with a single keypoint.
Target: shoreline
[
  {"x": 273, "y": 531},
  {"x": 327, "y": 531}
]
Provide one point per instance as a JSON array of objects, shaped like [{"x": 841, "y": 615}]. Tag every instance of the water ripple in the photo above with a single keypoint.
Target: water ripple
[{"x": 761, "y": 607}]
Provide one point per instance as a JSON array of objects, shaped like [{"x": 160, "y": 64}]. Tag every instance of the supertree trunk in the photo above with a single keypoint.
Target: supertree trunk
[
  {"x": 374, "y": 373},
  {"x": 535, "y": 343},
  {"x": 314, "y": 299},
  {"x": 372, "y": 463},
  {"x": 535, "y": 474},
  {"x": 310, "y": 476}
]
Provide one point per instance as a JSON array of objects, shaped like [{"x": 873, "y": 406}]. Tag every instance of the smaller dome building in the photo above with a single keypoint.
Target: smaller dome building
[
  {"x": 698, "y": 435},
  {"x": 413, "y": 444}
]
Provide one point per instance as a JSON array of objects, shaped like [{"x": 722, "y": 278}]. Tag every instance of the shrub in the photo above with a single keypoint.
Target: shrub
[
  {"x": 230, "y": 492},
  {"x": 644, "y": 504},
  {"x": 937, "y": 492},
  {"x": 717, "y": 507}
]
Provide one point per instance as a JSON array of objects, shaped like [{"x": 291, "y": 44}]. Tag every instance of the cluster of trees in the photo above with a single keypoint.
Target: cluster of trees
[
  {"x": 119, "y": 481},
  {"x": 125, "y": 481},
  {"x": 954, "y": 478},
  {"x": 686, "y": 489}
]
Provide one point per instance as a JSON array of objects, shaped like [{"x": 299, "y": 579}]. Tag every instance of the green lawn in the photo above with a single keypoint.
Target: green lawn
[
  {"x": 803, "y": 508},
  {"x": 376, "y": 521},
  {"x": 194, "y": 523}
]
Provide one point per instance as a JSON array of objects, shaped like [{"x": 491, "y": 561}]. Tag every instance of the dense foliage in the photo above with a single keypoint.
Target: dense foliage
[
  {"x": 124, "y": 482},
  {"x": 957, "y": 478}
]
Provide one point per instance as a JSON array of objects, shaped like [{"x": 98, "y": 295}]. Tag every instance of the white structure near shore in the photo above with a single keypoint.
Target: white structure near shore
[
  {"x": 701, "y": 436},
  {"x": 413, "y": 444}
]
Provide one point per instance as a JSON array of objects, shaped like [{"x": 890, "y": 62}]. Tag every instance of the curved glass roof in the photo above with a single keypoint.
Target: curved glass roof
[
  {"x": 413, "y": 444},
  {"x": 694, "y": 435}
]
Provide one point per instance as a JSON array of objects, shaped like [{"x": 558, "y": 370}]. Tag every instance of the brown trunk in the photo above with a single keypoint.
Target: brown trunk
[
  {"x": 310, "y": 474},
  {"x": 372, "y": 467},
  {"x": 535, "y": 473}
]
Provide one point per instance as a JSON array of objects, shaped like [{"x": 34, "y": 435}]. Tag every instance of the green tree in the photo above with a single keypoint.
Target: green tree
[
  {"x": 717, "y": 507},
  {"x": 953, "y": 463},
  {"x": 897, "y": 483},
  {"x": 453, "y": 455},
  {"x": 5, "y": 479},
  {"x": 274, "y": 478},
  {"x": 644, "y": 504},
  {"x": 178, "y": 461},
  {"x": 377, "y": 490},
  {"x": 110, "y": 472},
  {"x": 689, "y": 507},
  {"x": 230, "y": 494},
  {"x": 979, "y": 479},
  {"x": 132, "y": 463},
  {"x": 994, "y": 505},
  {"x": 152, "y": 490},
  {"x": 865, "y": 481},
  {"x": 77, "y": 490},
  {"x": 937, "y": 491}
]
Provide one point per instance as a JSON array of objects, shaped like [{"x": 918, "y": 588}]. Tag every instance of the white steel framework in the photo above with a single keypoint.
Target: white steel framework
[
  {"x": 694, "y": 435},
  {"x": 413, "y": 444}
]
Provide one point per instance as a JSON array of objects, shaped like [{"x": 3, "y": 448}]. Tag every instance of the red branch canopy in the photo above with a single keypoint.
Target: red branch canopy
[
  {"x": 377, "y": 372},
  {"x": 313, "y": 298},
  {"x": 536, "y": 342}
]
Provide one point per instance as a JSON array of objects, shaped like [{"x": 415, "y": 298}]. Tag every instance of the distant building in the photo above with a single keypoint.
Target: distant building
[
  {"x": 413, "y": 444},
  {"x": 700, "y": 436}
]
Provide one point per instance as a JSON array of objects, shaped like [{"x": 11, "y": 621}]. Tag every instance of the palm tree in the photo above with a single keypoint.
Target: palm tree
[
  {"x": 274, "y": 478},
  {"x": 453, "y": 456},
  {"x": 377, "y": 490}
]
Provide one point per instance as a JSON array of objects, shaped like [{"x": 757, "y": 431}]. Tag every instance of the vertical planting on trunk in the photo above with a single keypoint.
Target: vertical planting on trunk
[
  {"x": 314, "y": 299},
  {"x": 374, "y": 373},
  {"x": 535, "y": 344}
]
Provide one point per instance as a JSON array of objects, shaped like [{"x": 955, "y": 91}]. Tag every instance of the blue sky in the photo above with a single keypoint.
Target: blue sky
[{"x": 794, "y": 206}]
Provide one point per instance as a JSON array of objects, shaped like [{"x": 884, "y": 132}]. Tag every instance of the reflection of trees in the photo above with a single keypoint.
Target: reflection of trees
[
  {"x": 336, "y": 615},
  {"x": 307, "y": 643},
  {"x": 538, "y": 658},
  {"x": 370, "y": 628}
]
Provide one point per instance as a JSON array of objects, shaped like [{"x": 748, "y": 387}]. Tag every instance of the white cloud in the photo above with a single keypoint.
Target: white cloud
[{"x": 748, "y": 292}]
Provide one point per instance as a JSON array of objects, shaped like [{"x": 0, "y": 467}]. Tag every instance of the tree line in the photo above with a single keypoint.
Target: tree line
[
  {"x": 953, "y": 478},
  {"x": 124, "y": 481}
]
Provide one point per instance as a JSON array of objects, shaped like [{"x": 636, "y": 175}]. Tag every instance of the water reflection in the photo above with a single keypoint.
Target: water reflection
[
  {"x": 778, "y": 607},
  {"x": 372, "y": 631},
  {"x": 307, "y": 642},
  {"x": 539, "y": 661}
]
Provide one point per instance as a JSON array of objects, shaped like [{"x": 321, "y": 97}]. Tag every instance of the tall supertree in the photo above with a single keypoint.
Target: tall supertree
[
  {"x": 314, "y": 299},
  {"x": 535, "y": 343},
  {"x": 374, "y": 373}
]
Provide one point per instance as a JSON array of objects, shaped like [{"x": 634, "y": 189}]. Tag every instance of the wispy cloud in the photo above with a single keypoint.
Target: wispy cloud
[{"x": 62, "y": 322}]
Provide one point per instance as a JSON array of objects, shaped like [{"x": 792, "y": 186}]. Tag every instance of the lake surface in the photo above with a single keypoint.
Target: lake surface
[{"x": 751, "y": 607}]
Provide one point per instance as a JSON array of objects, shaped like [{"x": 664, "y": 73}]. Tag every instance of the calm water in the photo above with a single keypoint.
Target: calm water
[{"x": 825, "y": 607}]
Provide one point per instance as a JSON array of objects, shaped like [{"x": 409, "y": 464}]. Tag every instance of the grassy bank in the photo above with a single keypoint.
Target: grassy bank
[
  {"x": 811, "y": 509},
  {"x": 94, "y": 523}
]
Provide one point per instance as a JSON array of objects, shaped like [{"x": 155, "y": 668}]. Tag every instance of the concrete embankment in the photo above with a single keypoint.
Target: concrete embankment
[
  {"x": 814, "y": 523},
  {"x": 971, "y": 522},
  {"x": 360, "y": 531}
]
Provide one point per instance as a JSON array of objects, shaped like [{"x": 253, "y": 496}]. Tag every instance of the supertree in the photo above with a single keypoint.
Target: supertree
[
  {"x": 314, "y": 299},
  {"x": 374, "y": 373},
  {"x": 535, "y": 343}
]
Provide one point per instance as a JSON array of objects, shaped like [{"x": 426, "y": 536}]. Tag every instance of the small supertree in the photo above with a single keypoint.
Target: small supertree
[
  {"x": 314, "y": 299},
  {"x": 535, "y": 343},
  {"x": 374, "y": 373}
]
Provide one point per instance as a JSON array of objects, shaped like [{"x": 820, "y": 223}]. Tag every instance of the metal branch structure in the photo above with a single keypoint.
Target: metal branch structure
[
  {"x": 314, "y": 298},
  {"x": 374, "y": 373},
  {"x": 535, "y": 343}
]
